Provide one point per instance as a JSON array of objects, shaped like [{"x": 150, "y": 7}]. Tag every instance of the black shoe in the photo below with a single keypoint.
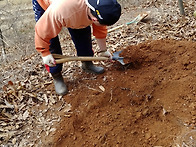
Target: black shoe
[
  {"x": 88, "y": 66},
  {"x": 59, "y": 85}
]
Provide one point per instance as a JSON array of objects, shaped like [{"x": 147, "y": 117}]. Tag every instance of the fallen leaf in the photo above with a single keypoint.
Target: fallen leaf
[{"x": 102, "y": 88}]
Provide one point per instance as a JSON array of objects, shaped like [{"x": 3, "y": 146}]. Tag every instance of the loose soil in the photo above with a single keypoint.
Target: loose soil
[{"x": 148, "y": 102}]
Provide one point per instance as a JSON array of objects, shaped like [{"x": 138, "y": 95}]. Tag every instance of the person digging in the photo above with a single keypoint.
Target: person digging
[{"x": 78, "y": 16}]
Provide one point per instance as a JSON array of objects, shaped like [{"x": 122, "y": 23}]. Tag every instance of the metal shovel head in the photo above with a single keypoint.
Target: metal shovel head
[{"x": 117, "y": 58}]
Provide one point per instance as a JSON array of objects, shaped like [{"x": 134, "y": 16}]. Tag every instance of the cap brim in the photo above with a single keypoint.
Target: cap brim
[{"x": 90, "y": 4}]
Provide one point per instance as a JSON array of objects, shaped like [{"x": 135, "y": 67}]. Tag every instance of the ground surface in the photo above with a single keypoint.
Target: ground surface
[{"x": 149, "y": 102}]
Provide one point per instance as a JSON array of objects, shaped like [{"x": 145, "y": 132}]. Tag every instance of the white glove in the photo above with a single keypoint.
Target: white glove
[
  {"x": 105, "y": 54},
  {"x": 49, "y": 60}
]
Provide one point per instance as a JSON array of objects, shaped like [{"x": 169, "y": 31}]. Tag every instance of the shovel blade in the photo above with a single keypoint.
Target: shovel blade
[{"x": 117, "y": 58}]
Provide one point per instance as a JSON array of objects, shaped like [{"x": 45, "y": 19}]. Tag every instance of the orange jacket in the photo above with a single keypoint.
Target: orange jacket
[{"x": 62, "y": 13}]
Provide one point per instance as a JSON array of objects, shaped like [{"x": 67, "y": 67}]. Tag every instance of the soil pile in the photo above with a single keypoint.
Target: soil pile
[{"x": 148, "y": 102}]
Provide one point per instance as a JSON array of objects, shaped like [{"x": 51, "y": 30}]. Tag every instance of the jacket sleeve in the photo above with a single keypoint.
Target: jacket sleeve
[
  {"x": 99, "y": 31},
  {"x": 46, "y": 28}
]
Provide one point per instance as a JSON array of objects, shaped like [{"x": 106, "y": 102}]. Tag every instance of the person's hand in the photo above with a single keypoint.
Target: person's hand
[
  {"x": 105, "y": 53},
  {"x": 49, "y": 60}
]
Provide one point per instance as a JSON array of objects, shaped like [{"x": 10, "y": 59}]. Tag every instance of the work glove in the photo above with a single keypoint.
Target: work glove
[
  {"x": 49, "y": 60},
  {"x": 105, "y": 53}
]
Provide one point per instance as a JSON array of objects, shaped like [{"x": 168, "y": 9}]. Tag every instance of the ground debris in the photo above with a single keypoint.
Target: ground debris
[{"x": 19, "y": 118}]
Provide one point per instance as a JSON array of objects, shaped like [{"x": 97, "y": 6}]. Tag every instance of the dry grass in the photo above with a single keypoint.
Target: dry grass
[{"x": 4, "y": 2}]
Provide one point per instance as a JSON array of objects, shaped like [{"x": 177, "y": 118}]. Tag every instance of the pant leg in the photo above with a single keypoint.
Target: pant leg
[
  {"x": 55, "y": 46},
  {"x": 37, "y": 10},
  {"x": 82, "y": 41}
]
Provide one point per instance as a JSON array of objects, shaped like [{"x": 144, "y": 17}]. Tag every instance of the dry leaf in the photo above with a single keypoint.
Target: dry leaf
[
  {"x": 10, "y": 83},
  {"x": 46, "y": 99},
  {"x": 25, "y": 115},
  {"x": 52, "y": 100},
  {"x": 102, "y": 88},
  {"x": 8, "y": 104},
  {"x": 67, "y": 108},
  {"x": 52, "y": 129}
]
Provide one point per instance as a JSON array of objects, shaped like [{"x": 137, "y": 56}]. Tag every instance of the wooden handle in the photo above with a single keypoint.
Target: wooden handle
[
  {"x": 63, "y": 59},
  {"x": 116, "y": 28},
  {"x": 58, "y": 56}
]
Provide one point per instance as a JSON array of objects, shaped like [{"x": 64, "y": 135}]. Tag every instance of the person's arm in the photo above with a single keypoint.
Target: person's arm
[
  {"x": 102, "y": 44},
  {"x": 47, "y": 28},
  {"x": 103, "y": 51},
  {"x": 100, "y": 33}
]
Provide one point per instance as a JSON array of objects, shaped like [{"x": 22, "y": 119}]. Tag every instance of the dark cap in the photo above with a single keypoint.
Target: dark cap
[{"x": 106, "y": 11}]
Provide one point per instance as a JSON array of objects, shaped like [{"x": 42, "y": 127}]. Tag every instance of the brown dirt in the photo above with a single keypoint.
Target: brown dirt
[{"x": 150, "y": 101}]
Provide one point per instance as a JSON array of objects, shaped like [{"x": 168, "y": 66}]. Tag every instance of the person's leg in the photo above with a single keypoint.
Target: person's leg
[
  {"x": 60, "y": 86},
  {"x": 83, "y": 43},
  {"x": 37, "y": 10},
  {"x": 55, "y": 47}
]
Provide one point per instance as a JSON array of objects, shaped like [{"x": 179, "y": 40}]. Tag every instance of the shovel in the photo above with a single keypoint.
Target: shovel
[
  {"x": 63, "y": 58},
  {"x": 136, "y": 20}
]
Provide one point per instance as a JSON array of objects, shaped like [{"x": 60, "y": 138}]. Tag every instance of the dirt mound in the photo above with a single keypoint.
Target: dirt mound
[{"x": 148, "y": 102}]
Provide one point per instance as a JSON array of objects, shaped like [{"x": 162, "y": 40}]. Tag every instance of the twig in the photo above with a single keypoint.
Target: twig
[
  {"x": 111, "y": 95},
  {"x": 181, "y": 7},
  {"x": 3, "y": 49}
]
